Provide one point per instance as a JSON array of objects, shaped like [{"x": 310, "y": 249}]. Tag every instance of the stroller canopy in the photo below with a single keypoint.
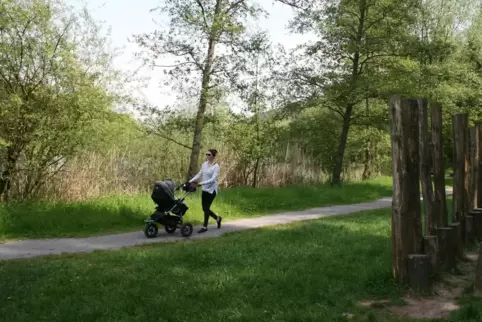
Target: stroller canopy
[{"x": 168, "y": 187}]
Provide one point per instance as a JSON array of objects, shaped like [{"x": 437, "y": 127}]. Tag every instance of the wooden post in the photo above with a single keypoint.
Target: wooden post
[
  {"x": 447, "y": 253},
  {"x": 440, "y": 202},
  {"x": 469, "y": 229},
  {"x": 461, "y": 182},
  {"x": 431, "y": 249},
  {"x": 478, "y": 274},
  {"x": 458, "y": 241},
  {"x": 425, "y": 167},
  {"x": 418, "y": 271},
  {"x": 477, "y": 215},
  {"x": 406, "y": 190},
  {"x": 479, "y": 166},
  {"x": 474, "y": 167}
]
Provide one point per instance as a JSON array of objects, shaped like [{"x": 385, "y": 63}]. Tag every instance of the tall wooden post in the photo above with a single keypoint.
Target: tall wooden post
[
  {"x": 479, "y": 166},
  {"x": 406, "y": 221},
  {"x": 425, "y": 167},
  {"x": 440, "y": 202},
  {"x": 473, "y": 167},
  {"x": 461, "y": 181}
]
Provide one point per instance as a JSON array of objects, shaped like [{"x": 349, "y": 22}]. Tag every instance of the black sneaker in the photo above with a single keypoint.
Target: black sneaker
[
  {"x": 219, "y": 221},
  {"x": 202, "y": 230}
]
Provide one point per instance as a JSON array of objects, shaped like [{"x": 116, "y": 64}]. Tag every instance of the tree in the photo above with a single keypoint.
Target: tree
[
  {"x": 202, "y": 37},
  {"x": 353, "y": 36},
  {"x": 53, "y": 79}
]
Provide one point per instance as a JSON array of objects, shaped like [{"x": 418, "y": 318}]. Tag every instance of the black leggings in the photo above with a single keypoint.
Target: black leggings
[{"x": 207, "y": 199}]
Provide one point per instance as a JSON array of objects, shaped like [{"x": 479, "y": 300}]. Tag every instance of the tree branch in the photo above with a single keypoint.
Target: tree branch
[
  {"x": 234, "y": 5},
  {"x": 168, "y": 138},
  {"x": 203, "y": 13}
]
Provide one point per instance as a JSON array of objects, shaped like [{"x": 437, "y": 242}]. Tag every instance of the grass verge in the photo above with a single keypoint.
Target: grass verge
[{"x": 126, "y": 213}]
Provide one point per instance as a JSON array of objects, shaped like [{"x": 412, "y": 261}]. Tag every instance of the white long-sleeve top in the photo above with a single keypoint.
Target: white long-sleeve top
[{"x": 209, "y": 174}]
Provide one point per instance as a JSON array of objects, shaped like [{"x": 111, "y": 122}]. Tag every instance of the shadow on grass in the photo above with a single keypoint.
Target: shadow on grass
[
  {"x": 312, "y": 271},
  {"x": 126, "y": 213}
]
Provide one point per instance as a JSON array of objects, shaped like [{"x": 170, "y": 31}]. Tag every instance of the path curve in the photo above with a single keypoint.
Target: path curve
[{"x": 42, "y": 247}]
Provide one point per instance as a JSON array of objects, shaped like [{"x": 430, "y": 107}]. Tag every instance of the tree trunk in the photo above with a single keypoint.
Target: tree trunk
[
  {"x": 440, "y": 201},
  {"x": 355, "y": 72},
  {"x": 461, "y": 182},
  {"x": 255, "y": 174},
  {"x": 6, "y": 175},
  {"x": 336, "y": 176},
  {"x": 425, "y": 167},
  {"x": 406, "y": 221},
  {"x": 368, "y": 162},
  {"x": 203, "y": 100}
]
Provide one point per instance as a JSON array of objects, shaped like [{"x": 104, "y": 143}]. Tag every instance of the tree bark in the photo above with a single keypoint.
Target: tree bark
[
  {"x": 406, "y": 221},
  {"x": 440, "y": 202},
  {"x": 461, "y": 182},
  {"x": 13, "y": 154},
  {"x": 425, "y": 167},
  {"x": 203, "y": 100},
  {"x": 368, "y": 162},
  {"x": 337, "y": 169}
]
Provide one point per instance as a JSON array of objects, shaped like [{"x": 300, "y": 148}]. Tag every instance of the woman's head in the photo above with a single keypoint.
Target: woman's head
[{"x": 211, "y": 154}]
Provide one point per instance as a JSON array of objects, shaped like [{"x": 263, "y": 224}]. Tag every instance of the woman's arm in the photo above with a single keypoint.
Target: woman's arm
[
  {"x": 197, "y": 176},
  {"x": 214, "y": 177}
]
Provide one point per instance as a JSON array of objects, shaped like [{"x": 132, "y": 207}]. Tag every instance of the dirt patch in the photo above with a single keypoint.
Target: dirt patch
[{"x": 444, "y": 298}]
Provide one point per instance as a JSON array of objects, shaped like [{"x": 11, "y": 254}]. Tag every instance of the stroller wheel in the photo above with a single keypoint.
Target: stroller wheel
[
  {"x": 186, "y": 230},
  {"x": 170, "y": 229},
  {"x": 151, "y": 230}
]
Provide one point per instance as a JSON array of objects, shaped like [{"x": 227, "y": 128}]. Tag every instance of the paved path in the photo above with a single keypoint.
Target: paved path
[{"x": 42, "y": 247}]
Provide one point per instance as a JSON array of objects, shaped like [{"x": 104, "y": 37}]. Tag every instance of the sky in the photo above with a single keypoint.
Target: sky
[{"x": 128, "y": 17}]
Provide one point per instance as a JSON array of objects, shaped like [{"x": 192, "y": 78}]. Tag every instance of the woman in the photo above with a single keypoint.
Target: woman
[{"x": 210, "y": 173}]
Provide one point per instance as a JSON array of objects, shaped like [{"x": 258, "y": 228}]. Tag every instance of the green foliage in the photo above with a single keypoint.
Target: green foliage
[{"x": 51, "y": 90}]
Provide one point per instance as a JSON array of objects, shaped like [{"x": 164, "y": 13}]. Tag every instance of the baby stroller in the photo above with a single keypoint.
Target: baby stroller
[{"x": 170, "y": 210}]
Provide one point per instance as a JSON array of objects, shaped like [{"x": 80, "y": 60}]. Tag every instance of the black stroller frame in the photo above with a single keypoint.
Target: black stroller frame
[{"x": 169, "y": 210}]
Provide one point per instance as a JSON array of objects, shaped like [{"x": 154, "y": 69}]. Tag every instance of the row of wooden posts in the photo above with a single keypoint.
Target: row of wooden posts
[{"x": 423, "y": 249}]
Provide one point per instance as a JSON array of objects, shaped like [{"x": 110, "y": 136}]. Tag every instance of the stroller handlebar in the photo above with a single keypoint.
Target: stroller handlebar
[{"x": 188, "y": 187}]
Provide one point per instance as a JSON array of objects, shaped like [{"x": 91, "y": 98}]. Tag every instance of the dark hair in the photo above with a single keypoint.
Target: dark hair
[{"x": 213, "y": 152}]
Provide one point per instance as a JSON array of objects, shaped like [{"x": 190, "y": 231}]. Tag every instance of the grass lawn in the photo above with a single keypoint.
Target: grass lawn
[
  {"x": 126, "y": 213},
  {"x": 311, "y": 271}
]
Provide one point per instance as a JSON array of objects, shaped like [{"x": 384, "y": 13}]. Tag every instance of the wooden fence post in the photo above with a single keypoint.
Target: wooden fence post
[
  {"x": 440, "y": 202},
  {"x": 461, "y": 182},
  {"x": 473, "y": 167},
  {"x": 406, "y": 221},
  {"x": 425, "y": 167},
  {"x": 478, "y": 196}
]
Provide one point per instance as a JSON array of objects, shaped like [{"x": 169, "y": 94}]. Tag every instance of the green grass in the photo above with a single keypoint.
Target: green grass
[
  {"x": 126, "y": 213},
  {"x": 311, "y": 271}
]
